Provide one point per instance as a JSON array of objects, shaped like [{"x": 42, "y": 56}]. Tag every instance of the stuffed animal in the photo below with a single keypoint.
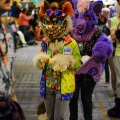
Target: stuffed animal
[{"x": 59, "y": 57}]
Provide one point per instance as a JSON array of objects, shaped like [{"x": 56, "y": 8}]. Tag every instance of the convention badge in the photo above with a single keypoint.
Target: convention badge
[
  {"x": 80, "y": 46},
  {"x": 68, "y": 51}
]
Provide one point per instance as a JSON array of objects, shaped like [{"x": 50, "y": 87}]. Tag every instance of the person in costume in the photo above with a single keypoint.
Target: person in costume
[
  {"x": 59, "y": 57},
  {"x": 94, "y": 48}
]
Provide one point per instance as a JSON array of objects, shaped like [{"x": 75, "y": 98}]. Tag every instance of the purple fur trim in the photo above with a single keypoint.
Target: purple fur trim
[{"x": 86, "y": 37}]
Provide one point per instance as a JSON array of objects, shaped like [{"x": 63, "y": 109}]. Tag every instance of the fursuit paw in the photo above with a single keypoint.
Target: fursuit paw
[
  {"x": 40, "y": 60},
  {"x": 61, "y": 62}
]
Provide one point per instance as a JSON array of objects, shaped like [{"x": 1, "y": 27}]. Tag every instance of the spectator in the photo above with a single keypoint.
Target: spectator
[
  {"x": 112, "y": 11},
  {"x": 9, "y": 108},
  {"x": 14, "y": 12},
  {"x": 24, "y": 20},
  {"x": 19, "y": 37},
  {"x": 30, "y": 36},
  {"x": 38, "y": 33}
]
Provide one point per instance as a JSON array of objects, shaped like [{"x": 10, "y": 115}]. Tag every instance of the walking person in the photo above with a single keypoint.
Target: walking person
[
  {"x": 9, "y": 107},
  {"x": 115, "y": 35}
]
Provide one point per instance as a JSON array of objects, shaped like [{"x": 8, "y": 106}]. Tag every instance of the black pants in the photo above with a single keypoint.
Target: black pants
[
  {"x": 86, "y": 84},
  {"x": 107, "y": 73}
]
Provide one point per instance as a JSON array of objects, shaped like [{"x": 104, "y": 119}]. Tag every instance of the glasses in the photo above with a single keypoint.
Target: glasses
[{"x": 58, "y": 13}]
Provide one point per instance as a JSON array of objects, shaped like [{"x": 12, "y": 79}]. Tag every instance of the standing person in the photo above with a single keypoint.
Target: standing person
[
  {"x": 9, "y": 108},
  {"x": 59, "y": 58},
  {"x": 115, "y": 35},
  {"x": 24, "y": 20},
  {"x": 94, "y": 48}
]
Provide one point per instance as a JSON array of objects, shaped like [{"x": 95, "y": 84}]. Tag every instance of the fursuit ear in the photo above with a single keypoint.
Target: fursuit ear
[
  {"x": 46, "y": 5},
  {"x": 96, "y": 7},
  {"x": 67, "y": 8},
  {"x": 61, "y": 3},
  {"x": 43, "y": 7}
]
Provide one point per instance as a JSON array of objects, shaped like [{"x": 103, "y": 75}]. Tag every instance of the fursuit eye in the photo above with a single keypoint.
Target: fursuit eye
[
  {"x": 48, "y": 12},
  {"x": 87, "y": 17},
  {"x": 58, "y": 12}
]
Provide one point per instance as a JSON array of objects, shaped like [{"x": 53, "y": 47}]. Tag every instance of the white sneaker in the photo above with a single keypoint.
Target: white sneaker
[
  {"x": 25, "y": 45},
  {"x": 106, "y": 85}
]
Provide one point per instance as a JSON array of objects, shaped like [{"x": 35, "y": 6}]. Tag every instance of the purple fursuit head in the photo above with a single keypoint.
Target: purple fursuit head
[
  {"x": 74, "y": 3},
  {"x": 85, "y": 23}
]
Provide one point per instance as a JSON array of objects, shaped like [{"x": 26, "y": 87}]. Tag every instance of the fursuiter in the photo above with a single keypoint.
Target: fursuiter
[
  {"x": 59, "y": 57},
  {"x": 94, "y": 48}
]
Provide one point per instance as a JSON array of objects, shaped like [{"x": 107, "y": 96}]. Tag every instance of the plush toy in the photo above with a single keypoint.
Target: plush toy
[
  {"x": 94, "y": 48},
  {"x": 59, "y": 57}
]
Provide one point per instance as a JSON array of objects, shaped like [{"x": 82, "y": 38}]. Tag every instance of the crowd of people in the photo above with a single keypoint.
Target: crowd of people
[
  {"x": 24, "y": 23},
  {"x": 79, "y": 41}
]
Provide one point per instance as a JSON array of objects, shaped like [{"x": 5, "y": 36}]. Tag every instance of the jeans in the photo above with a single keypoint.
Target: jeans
[
  {"x": 23, "y": 28},
  {"x": 30, "y": 42},
  {"x": 86, "y": 84}
]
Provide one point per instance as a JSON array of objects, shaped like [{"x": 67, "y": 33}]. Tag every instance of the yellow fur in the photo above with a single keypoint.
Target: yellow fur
[{"x": 44, "y": 58}]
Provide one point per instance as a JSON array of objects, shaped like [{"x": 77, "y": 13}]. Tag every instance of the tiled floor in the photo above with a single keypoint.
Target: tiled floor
[{"x": 27, "y": 87}]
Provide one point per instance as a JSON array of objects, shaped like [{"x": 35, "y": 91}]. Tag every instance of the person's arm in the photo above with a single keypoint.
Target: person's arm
[
  {"x": 112, "y": 33},
  {"x": 113, "y": 28},
  {"x": 25, "y": 17}
]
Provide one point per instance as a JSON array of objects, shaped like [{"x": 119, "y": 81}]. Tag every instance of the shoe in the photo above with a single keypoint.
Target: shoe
[
  {"x": 106, "y": 85},
  {"x": 114, "y": 112},
  {"x": 25, "y": 45}
]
